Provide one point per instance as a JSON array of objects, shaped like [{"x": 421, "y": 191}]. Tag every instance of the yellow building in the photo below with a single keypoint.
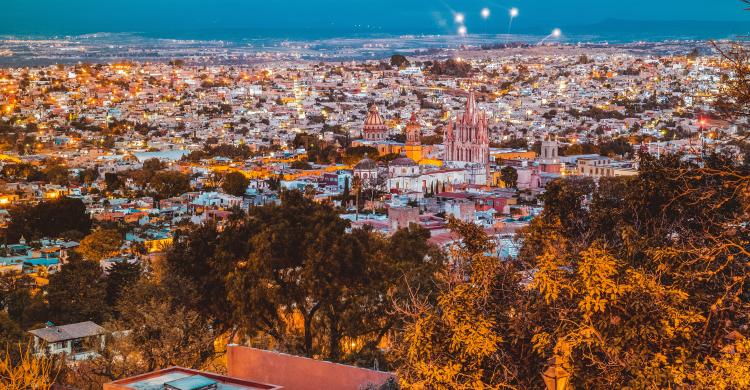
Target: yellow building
[
  {"x": 157, "y": 245},
  {"x": 513, "y": 155},
  {"x": 413, "y": 146}
]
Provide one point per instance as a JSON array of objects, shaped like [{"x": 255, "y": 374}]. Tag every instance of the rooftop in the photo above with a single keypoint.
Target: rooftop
[
  {"x": 178, "y": 378},
  {"x": 53, "y": 334}
]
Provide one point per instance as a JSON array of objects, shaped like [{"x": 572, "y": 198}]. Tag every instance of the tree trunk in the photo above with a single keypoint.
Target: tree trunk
[
  {"x": 308, "y": 318},
  {"x": 335, "y": 338}
]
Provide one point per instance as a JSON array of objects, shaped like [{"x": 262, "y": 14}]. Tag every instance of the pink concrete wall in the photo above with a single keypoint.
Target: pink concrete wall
[{"x": 297, "y": 373}]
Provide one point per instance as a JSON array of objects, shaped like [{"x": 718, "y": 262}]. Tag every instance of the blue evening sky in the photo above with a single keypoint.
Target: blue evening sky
[{"x": 256, "y": 18}]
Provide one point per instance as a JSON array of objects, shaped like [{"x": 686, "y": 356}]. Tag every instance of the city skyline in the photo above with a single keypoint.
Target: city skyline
[
  {"x": 233, "y": 19},
  {"x": 374, "y": 195}
]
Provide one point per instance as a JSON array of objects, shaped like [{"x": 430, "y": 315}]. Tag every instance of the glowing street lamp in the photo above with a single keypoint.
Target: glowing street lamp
[
  {"x": 459, "y": 18},
  {"x": 485, "y": 13},
  {"x": 513, "y": 12},
  {"x": 462, "y": 31},
  {"x": 556, "y": 33}
]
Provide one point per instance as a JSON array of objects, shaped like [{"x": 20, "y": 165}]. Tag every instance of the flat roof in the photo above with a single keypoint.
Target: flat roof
[{"x": 184, "y": 377}]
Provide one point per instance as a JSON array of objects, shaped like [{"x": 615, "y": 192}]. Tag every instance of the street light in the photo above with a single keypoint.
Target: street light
[{"x": 557, "y": 375}]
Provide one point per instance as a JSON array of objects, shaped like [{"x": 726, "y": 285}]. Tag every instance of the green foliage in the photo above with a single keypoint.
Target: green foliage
[
  {"x": 198, "y": 262},
  {"x": 451, "y": 67},
  {"x": 399, "y": 61},
  {"x": 10, "y": 331},
  {"x": 637, "y": 282},
  {"x": 100, "y": 244},
  {"x": 646, "y": 274},
  {"x": 56, "y": 174},
  {"x": 509, "y": 176},
  {"x": 291, "y": 277},
  {"x": 356, "y": 153},
  {"x": 163, "y": 333},
  {"x": 120, "y": 276},
  {"x": 167, "y": 184},
  {"x": 77, "y": 293},
  {"x": 152, "y": 164},
  {"x": 302, "y": 165},
  {"x": 456, "y": 341},
  {"x": 48, "y": 219},
  {"x": 112, "y": 181},
  {"x": 616, "y": 147},
  {"x": 235, "y": 183},
  {"x": 20, "y": 172}
]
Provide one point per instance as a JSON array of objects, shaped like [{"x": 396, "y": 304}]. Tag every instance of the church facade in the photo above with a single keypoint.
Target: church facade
[{"x": 467, "y": 143}]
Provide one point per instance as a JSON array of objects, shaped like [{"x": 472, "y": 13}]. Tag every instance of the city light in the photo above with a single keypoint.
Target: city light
[
  {"x": 325, "y": 155},
  {"x": 513, "y": 12},
  {"x": 556, "y": 33}
]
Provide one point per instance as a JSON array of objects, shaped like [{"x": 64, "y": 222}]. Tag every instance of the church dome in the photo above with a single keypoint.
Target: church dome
[
  {"x": 373, "y": 118},
  {"x": 366, "y": 164},
  {"x": 403, "y": 162}
]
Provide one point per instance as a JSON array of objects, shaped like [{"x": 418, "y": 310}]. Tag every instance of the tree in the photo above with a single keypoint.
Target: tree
[
  {"x": 10, "y": 282},
  {"x": 27, "y": 308},
  {"x": 56, "y": 174},
  {"x": 77, "y": 293},
  {"x": 100, "y": 244},
  {"x": 637, "y": 253},
  {"x": 302, "y": 165},
  {"x": 199, "y": 261},
  {"x": 399, "y": 61},
  {"x": 304, "y": 285},
  {"x": 121, "y": 275},
  {"x": 26, "y": 371},
  {"x": 274, "y": 182},
  {"x": 20, "y": 172},
  {"x": 112, "y": 181},
  {"x": 346, "y": 193},
  {"x": 509, "y": 176},
  {"x": 167, "y": 184},
  {"x": 10, "y": 331},
  {"x": 451, "y": 67},
  {"x": 616, "y": 147},
  {"x": 48, "y": 219},
  {"x": 152, "y": 333},
  {"x": 633, "y": 285},
  {"x": 163, "y": 333},
  {"x": 455, "y": 341},
  {"x": 153, "y": 165},
  {"x": 235, "y": 183}
]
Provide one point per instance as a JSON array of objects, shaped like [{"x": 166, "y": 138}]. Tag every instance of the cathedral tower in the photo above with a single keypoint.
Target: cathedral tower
[
  {"x": 467, "y": 140},
  {"x": 413, "y": 139}
]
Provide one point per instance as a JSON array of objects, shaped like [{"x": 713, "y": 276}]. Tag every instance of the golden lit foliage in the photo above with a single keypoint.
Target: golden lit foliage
[
  {"x": 100, "y": 244},
  {"x": 453, "y": 343},
  {"x": 636, "y": 282},
  {"x": 643, "y": 278},
  {"x": 25, "y": 371},
  {"x": 731, "y": 370},
  {"x": 606, "y": 313}
]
